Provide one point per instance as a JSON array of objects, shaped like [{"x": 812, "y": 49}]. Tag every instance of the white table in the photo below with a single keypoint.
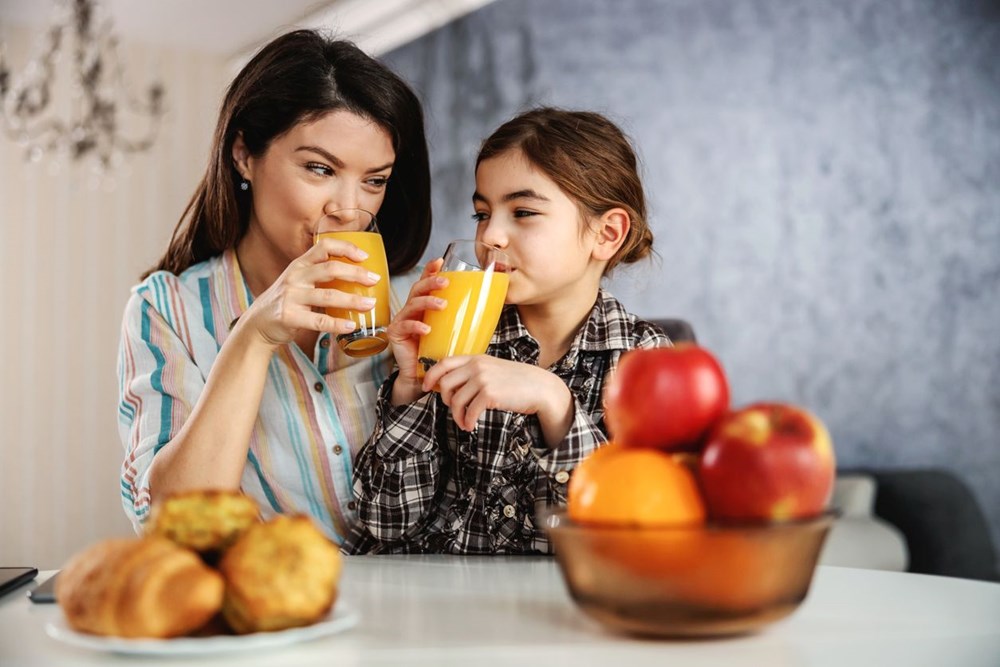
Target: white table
[{"x": 439, "y": 610}]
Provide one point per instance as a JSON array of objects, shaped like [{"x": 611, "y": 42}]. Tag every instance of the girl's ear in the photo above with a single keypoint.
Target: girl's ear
[
  {"x": 612, "y": 228},
  {"x": 241, "y": 158}
]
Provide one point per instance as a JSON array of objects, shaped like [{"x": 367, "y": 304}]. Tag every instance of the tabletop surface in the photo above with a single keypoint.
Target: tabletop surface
[{"x": 443, "y": 610}]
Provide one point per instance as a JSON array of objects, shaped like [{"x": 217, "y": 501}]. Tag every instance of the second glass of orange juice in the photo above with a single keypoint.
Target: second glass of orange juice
[
  {"x": 477, "y": 286},
  {"x": 357, "y": 226}
]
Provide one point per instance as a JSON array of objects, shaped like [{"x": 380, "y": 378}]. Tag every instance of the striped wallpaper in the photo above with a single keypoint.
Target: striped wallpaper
[{"x": 70, "y": 249}]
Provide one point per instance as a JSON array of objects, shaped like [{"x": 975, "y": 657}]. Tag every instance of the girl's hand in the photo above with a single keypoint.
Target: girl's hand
[
  {"x": 471, "y": 384},
  {"x": 286, "y": 307},
  {"x": 406, "y": 329}
]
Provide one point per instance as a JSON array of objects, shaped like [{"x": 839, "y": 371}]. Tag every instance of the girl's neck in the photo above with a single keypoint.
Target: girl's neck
[{"x": 554, "y": 325}]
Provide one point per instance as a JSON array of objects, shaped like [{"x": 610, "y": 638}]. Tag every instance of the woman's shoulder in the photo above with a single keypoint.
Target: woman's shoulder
[{"x": 167, "y": 292}]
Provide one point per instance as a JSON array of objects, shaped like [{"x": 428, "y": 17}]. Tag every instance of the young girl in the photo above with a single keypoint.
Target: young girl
[{"x": 464, "y": 470}]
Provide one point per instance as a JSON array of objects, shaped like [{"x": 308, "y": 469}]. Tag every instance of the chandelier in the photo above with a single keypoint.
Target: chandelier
[{"x": 92, "y": 127}]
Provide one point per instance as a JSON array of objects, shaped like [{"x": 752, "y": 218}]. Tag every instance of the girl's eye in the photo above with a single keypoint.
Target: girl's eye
[
  {"x": 524, "y": 213},
  {"x": 320, "y": 169},
  {"x": 377, "y": 182},
  {"x": 480, "y": 216}
]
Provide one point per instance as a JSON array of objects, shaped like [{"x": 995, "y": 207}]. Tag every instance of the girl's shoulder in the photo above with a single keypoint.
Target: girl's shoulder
[
  {"x": 627, "y": 329},
  {"x": 649, "y": 334}
]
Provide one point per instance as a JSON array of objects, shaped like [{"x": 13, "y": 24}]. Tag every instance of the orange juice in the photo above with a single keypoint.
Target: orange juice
[
  {"x": 375, "y": 320},
  {"x": 465, "y": 326}
]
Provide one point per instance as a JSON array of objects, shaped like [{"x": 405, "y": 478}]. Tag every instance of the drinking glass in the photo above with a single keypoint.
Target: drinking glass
[
  {"x": 477, "y": 286},
  {"x": 358, "y": 226}
]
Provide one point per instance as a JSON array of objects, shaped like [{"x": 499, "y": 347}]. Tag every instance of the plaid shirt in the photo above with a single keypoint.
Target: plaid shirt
[{"x": 424, "y": 485}]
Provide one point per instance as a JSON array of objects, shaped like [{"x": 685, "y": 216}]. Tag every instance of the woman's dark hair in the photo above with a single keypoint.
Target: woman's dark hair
[
  {"x": 589, "y": 158},
  {"x": 298, "y": 77}
]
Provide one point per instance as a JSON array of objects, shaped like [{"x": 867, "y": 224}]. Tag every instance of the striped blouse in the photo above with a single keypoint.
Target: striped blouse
[{"x": 315, "y": 414}]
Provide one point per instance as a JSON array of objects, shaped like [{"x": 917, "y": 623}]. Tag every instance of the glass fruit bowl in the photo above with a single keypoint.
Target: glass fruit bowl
[{"x": 716, "y": 579}]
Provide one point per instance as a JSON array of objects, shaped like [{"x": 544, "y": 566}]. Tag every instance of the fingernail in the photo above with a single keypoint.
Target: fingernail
[
  {"x": 374, "y": 277},
  {"x": 368, "y": 302},
  {"x": 361, "y": 254},
  {"x": 439, "y": 301}
]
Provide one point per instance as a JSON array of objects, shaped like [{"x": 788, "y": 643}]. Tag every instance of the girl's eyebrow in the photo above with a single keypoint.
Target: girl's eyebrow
[{"x": 518, "y": 194}]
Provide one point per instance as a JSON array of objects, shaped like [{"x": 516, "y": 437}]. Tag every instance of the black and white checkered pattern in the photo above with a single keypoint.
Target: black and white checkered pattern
[{"x": 424, "y": 485}]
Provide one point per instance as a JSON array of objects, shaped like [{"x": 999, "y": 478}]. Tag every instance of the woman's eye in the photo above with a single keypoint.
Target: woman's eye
[
  {"x": 377, "y": 182},
  {"x": 320, "y": 169},
  {"x": 480, "y": 216},
  {"x": 524, "y": 213}
]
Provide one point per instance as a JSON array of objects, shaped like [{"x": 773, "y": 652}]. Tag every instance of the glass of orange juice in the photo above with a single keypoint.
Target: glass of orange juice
[
  {"x": 358, "y": 226},
  {"x": 477, "y": 286}
]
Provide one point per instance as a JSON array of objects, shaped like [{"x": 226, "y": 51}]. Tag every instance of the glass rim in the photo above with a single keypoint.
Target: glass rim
[
  {"x": 501, "y": 254},
  {"x": 557, "y": 519},
  {"x": 372, "y": 225}
]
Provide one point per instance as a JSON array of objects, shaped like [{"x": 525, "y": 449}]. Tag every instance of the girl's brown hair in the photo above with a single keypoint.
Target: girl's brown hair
[
  {"x": 297, "y": 77},
  {"x": 589, "y": 158}
]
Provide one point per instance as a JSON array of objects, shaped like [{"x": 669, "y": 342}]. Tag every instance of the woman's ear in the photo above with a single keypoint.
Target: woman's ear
[
  {"x": 241, "y": 158},
  {"x": 612, "y": 228}
]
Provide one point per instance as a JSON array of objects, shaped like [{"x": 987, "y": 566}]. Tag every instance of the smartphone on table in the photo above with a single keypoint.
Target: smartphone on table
[
  {"x": 14, "y": 577},
  {"x": 45, "y": 591}
]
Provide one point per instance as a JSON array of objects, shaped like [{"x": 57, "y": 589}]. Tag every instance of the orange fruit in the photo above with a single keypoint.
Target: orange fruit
[
  {"x": 634, "y": 487},
  {"x": 653, "y": 497}
]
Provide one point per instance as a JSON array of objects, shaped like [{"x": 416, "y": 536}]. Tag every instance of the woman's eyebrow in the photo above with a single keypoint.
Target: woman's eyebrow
[
  {"x": 337, "y": 162},
  {"x": 330, "y": 157}
]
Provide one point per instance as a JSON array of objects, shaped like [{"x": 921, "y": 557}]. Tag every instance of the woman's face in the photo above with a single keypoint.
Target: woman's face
[{"x": 340, "y": 160}]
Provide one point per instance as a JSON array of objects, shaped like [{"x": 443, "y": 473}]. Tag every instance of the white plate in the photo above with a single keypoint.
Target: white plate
[{"x": 340, "y": 618}]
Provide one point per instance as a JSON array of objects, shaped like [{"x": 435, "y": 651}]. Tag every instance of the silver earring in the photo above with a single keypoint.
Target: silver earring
[{"x": 245, "y": 185}]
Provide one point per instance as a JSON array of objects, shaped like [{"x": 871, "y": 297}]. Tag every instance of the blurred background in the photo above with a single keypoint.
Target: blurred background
[{"x": 824, "y": 184}]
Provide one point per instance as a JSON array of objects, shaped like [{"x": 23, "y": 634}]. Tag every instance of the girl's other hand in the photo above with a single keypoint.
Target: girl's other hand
[
  {"x": 470, "y": 385},
  {"x": 406, "y": 329},
  {"x": 287, "y": 306}
]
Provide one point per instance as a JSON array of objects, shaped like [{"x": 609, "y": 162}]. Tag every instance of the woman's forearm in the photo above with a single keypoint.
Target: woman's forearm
[{"x": 210, "y": 450}]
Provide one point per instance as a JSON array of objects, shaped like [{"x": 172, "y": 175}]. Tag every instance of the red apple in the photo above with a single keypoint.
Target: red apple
[
  {"x": 666, "y": 397},
  {"x": 767, "y": 461}
]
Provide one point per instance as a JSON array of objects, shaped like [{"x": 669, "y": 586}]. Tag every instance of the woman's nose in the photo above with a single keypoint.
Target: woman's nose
[{"x": 341, "y": 200}]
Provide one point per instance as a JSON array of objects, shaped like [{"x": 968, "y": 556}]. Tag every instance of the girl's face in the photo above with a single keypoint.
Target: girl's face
[
  {"x": 523, "y": 212},
  {"x": 339, "y": 161}
]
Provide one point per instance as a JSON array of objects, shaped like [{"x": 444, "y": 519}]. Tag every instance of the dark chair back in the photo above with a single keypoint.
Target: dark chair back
[{"x": 677, "y": 330}]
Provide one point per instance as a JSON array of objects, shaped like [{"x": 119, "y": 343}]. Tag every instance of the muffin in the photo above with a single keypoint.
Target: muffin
[
  {"x": 279, "y": 574},
  {"x": 207, "y": 521}
]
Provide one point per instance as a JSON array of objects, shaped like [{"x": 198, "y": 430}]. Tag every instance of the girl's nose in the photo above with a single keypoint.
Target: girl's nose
[{"x": 492, "y": 235}]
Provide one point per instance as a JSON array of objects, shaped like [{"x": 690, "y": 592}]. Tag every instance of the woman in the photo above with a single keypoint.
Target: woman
[{"x": 227, "y": 375}]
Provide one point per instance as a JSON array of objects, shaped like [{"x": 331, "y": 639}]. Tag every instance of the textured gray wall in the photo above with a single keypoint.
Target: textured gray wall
[{"x": 824, "y": 181}]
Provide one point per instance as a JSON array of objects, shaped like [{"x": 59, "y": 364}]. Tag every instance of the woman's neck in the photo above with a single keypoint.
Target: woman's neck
[{"x": 258, "y": 261}]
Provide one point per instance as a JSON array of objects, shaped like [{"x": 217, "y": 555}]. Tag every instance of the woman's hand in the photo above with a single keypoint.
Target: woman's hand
[
  {"x": 471, "y": 384},
  {"x": 406, "y": 329},
  {"x": 286, "y": 307}
]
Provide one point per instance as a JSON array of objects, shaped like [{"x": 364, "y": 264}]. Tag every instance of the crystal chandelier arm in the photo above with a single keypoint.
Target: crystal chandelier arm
[{"x": 93, "y": 127}]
